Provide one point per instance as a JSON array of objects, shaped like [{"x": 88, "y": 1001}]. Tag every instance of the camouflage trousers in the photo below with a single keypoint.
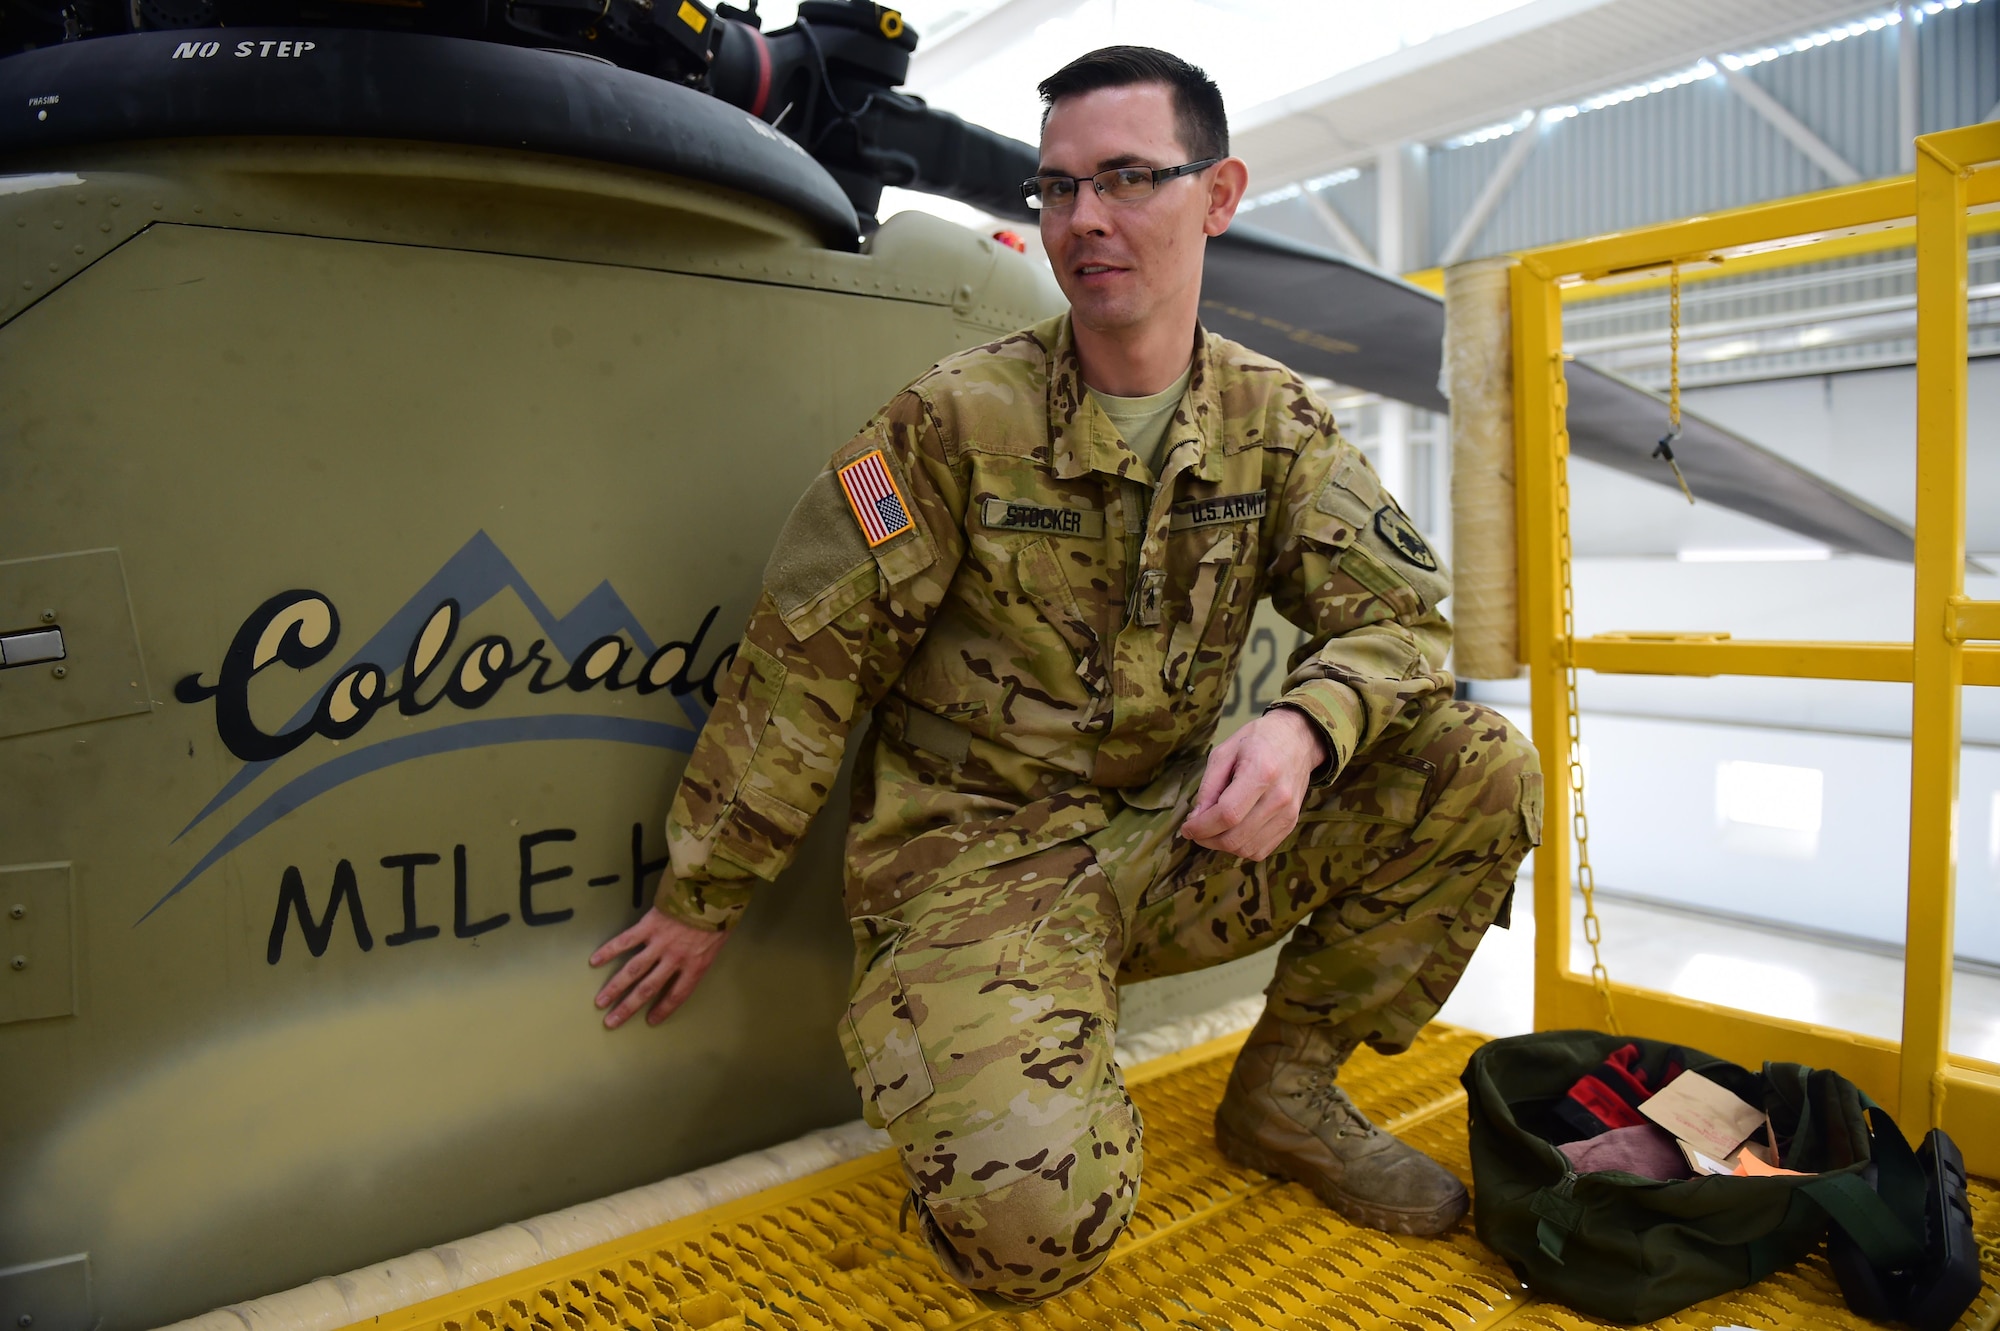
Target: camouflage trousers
[{"x": 981, "y": 1027}]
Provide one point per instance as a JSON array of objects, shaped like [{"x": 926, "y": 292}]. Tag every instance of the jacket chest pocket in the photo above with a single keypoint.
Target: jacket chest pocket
[
  {"x": 1201, "y": 636},
  {"x": 1038, "y": 568}
]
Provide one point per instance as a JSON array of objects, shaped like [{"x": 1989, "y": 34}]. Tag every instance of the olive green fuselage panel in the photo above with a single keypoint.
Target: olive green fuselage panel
[{"x": 308, "y": 966}]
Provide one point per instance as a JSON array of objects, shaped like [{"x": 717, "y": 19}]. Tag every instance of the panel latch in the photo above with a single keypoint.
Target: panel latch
[{"x": 30, "y": 646}]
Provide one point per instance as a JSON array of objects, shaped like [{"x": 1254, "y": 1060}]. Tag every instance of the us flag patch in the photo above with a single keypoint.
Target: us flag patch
[{"x": 873, "y": 495}]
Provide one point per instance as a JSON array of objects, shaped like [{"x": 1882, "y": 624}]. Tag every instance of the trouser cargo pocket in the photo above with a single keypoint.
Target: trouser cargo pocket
[{"x": 877, "y": 1033}]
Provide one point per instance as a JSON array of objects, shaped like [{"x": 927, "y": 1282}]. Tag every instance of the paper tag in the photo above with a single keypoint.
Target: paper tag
[
  {"x": 1703, "y": 1114},
  {"x": 1702, "y": 1164},
  {"x": 1748, "y": 1162}
]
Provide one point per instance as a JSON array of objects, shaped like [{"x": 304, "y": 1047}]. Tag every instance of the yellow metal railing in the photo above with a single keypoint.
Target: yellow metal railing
[
  {"x": 1958, "y": 172},
  {"x": 1835, "y": 241}
]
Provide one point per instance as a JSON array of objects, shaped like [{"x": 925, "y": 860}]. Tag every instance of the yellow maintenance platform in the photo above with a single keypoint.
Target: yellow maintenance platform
[{"x": 1211, "y": 1246}]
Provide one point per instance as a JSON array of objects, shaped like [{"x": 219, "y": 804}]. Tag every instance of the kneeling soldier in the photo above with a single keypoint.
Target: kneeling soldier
[{"x": 1038, "y": 565}]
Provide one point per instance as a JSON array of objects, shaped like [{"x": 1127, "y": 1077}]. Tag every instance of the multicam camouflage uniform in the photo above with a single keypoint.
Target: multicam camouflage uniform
[{"x": 1047, "y": 648}]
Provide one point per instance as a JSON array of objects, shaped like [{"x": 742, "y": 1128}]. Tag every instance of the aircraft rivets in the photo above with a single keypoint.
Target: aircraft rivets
[
  {"x": 60, "y": 672},
  {"x": 18, "y": 912},
  {"x": 48, "y": 616},
  {"x": 20, "y": 963}
]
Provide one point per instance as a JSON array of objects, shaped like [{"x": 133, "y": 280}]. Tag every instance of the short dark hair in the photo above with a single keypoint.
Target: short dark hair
[{"x": 1201, "y": 122}]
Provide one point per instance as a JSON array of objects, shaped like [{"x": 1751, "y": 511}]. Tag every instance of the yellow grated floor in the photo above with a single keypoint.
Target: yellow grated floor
[{"x": 1211, "y": 1246}]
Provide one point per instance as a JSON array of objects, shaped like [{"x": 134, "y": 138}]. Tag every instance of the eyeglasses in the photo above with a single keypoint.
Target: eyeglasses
[{"x": 1121, "y": 184}]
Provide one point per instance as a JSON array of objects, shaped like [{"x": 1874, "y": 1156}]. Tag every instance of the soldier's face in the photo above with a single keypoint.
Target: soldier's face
[{"x": 1123, "y": 264}]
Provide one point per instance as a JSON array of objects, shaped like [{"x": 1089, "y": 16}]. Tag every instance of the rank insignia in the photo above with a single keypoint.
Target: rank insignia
[
  {"x": 1396, "y": 531},
  {"x": 875, "y": 497}
]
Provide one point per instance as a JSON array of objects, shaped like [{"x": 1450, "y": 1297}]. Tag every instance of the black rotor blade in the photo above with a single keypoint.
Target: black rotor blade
[
  {"x": 1330, "y": 316},
  {"x": 1618, "y": 424},
  {"x": 1325, "y": 315}
]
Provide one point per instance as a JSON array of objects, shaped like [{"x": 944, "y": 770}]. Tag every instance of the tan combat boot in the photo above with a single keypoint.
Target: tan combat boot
[{"x": 1283, "y": 1115}]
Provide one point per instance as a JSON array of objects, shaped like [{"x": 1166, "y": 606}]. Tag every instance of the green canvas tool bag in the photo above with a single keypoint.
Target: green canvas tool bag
[{"x": 1631, "y": 1249}]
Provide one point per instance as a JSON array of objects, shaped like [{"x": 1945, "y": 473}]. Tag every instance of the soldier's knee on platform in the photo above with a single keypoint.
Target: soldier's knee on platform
[{"x": 1043, "y": 1229}]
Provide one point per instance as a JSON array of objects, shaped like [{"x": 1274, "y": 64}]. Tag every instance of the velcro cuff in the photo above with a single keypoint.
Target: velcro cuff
[
  {"x": 1335, "y": 710},
  {"x": 714, "y": 904}
]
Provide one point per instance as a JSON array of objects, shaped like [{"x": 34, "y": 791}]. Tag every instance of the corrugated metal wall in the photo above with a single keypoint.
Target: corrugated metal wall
[
  {"x": 1700, "y": 147},
  {"x": 1847, "y": 314},
  {"x": 1960, "y": 61},
  {"x": 1354, "y": 200},
  {"x": 1694, "y": 148},
  {"x": 1846, "y": 92}
]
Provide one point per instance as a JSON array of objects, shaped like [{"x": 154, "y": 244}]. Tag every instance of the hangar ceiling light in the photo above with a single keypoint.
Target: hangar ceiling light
[
  {"x": 1461, "y": 89},
  {"x": 1700, "y": 70},
  {"x": 1840, "y": 32},
  {"x": 1695, "y": 73},
  {"x": 1292, "y": 191}
]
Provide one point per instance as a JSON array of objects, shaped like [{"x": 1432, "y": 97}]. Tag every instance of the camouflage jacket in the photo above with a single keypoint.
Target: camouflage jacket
[{"x": 1047, "y": 630}]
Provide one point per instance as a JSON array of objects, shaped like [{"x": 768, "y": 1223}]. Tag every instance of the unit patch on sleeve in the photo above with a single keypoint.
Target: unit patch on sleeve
[
  {"x": 1218, "y": 509},
  {"x": 1015, "y": 515},
  {"x": 876, "y": 499},
  {"x": 1410, "y": 547}
]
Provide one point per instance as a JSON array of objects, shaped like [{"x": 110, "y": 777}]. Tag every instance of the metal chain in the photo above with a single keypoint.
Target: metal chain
[
  {"x": 1586, "y": 881},
  {"x": 1665, "y": 449}
]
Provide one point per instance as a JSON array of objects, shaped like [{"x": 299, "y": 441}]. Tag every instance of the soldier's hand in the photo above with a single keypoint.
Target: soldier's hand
[
  {"x": 1254, "y": 785},
  {"x": 670, "y": 961}
]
